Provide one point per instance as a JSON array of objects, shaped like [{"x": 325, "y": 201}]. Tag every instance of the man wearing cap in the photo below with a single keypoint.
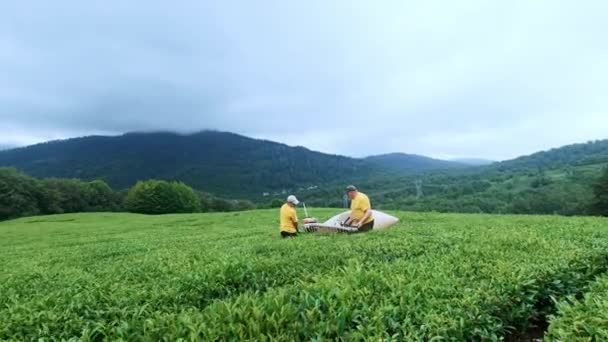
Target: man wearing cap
[
  {"x": 361, "y": 210},
  {"x": 289, "y": 218}
]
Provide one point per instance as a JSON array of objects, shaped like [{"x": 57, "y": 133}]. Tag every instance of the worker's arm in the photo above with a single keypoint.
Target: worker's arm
[
  {"x": 367, "y": 214},
  {"x": 294, "y": 219},
  {"x": 348, "y": 221}
]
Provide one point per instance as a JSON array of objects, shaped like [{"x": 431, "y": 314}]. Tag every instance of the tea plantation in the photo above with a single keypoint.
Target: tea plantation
[{"x": 434, "y": 277}]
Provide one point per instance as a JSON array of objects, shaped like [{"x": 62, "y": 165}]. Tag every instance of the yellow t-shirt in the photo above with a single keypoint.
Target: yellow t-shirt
[
  {"x": 359, "y": 206},
  {"x": 289, "y": 219}
]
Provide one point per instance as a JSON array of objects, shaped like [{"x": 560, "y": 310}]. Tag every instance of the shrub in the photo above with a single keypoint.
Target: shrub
[
  {"x": 600, "y": 190},
  {"x": 210, "y": 203},
  {"x": 161, "y": 197},
  {"x": 19, "y": 194},
  {"x": 275, "y": 203},
  {"x": 584, "y": 319}
]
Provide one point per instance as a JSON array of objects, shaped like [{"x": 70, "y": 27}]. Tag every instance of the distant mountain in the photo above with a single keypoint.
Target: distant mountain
[
  {"x": 412, "y": 162},
  {"x": 590, "y": 153},
  {"x": 6, "y": 147},
  {"x": 235, "y": 166},
  {"x": 473, "y": 161},
  {"x": 558, "y": 181},
  {"x": 217, "y": 162}
]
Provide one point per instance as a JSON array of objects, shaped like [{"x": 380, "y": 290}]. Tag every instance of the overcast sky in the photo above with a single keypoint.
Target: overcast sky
[{"x": 492, "y": 79}]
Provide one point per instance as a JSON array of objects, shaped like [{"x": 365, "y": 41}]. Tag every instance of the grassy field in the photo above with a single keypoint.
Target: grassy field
[{"x": 229, "y": 276}]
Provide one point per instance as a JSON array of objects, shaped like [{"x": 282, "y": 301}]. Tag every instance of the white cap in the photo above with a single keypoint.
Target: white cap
[{"x": 293, "y": 200}]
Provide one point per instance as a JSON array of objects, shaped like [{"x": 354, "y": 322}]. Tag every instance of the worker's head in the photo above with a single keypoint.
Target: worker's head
[
  {"x": 351, "y": 191},
  {"x": 292, "y": 200}
]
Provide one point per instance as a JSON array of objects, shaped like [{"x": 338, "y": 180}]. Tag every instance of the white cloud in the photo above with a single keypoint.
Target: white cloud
[{"x": 468, "y": 78}]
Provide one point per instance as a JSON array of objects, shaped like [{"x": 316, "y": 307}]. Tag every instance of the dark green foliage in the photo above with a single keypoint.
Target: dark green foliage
[
  {"x": 161, "y": 197},
  {"x": 186, "y": 200},
  {"x": 21, "y": 195},
  {"x": 540, "y": 181},
  {"x": 584, "y": 319},
  {"x": 412, "y": 162},
  {"x": 210, "y": 203},
  {"x": 220, "y": 204},
  {"x": 593, "y": 152},
  {"x": 221, "y": 163},
  {"x": 102, "y": 196},
  {"x": 276, "y": 203},
  {"x": 558, "y": 181},
  {"x": 561, "y": 190},
  {"x": 241, "y": 205},
  {"x": 229, "y": 277},
  {"x": 600, "y": 190},
  {"x": 73, "y": 196},
  {"x": 206, "y": 201},
  {"x": 273, "y": 203}
]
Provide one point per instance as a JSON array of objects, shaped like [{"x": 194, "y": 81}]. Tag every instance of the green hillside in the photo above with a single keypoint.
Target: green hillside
[
  {"x": 473, "y": 161},
  {"x": 558, "y": 181},
  {"x": 217, "y": 162},
  {"x": 230, "y": 277},
  {"x": 222, "y": 163},
  {"x": 403, "y": 162}
]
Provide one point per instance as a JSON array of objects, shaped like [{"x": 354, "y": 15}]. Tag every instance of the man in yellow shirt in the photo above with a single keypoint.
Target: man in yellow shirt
[
  {"x": 289, "y": 218},
  {"x": 361, "y": 210}
]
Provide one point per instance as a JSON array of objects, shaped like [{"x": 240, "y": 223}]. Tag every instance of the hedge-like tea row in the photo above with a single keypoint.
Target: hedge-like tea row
[
  {"x": 229, "y": 276},
  {"x": 583, "y": 320},
  {"x": 471, "y": 293}
]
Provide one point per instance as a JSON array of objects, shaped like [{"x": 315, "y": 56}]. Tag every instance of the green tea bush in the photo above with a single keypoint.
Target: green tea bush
[
  {"x": 229, "y": 276},
  {"x": 585, "y": 319},
  {"x": 161, "y": 197}
]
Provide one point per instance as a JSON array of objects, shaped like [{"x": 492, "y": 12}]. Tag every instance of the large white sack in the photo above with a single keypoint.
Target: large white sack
[{"x": 381, "y": 220}]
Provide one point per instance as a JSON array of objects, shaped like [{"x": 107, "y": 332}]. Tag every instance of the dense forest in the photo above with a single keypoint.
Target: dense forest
[
  {"x": 221, "y": 163},
  {"x": 412, "y": 163},
  {"x": 22, "y": 195},
  {"x": 559, "y": 181}
]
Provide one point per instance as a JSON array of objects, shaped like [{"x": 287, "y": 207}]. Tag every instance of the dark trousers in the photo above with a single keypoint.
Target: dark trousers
[
  {"x": 285, "y": 235},
  {"x": 367, "y": 227}
]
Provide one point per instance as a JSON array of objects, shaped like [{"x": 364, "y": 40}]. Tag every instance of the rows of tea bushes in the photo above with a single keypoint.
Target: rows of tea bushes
[
  {"x": 486, "y": 287},
  {"x": 230, "y": 277},
  {"x": 221, "y": 263},
  {"x": 585, "y": 319}
]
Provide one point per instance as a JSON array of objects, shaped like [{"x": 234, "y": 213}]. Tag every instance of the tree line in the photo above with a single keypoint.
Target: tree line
[
  {"x": 22, "y": 195},
  {"x": 600, "y": 190},
  {"x": 204, "y": 160},
  {"x": 579, "y": 190},
  {"x": 568, "y": 192}
]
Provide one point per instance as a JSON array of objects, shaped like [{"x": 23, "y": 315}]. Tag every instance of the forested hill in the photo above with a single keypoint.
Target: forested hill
[
  {"x": 232, "y": 165},
  {"x": 593, "y": 152},
  {"x": 412, "y": 162},
  {"x": 218, "y": 162},
  {"x": 558, "y": 181},
  {"x": 473, "y": 161}
]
